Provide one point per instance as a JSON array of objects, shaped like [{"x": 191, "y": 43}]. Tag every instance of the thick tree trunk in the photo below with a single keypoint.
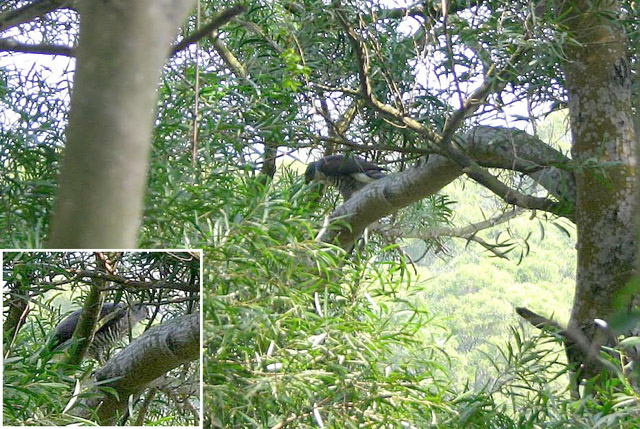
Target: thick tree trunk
[
  {"x": 122, "y": 48},
  {"x": 599, "y": 84}
]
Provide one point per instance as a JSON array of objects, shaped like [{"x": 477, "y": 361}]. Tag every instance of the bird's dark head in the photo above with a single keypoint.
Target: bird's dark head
[
  {"x": 139, "y": 312},
  {"x": 312, "y": 171}
]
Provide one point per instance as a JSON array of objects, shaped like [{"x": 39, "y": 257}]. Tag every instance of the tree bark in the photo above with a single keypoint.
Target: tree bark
[
  {"x": 85, "y": 330},
  {"x": 598, "y": 81},
  {"x": 17, "y": 306},
  {"x": 122, "y": 48},
  {"x": 269, "y": 158},
  {"x": 153, "y": 354}
]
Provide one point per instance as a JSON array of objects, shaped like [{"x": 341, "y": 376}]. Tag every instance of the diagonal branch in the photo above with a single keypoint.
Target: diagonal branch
[
  {"x": 224, "y": 17},
  {"x": 30, "y": 11},
  {"x": 511, "y": 196},
  {"x": 148, "y": 357},
  {"x": 493, "y": 145},
  {"x": 576, "y": 341},
  {"x": 467, "y": 231},
  {"x": 230, "y": 59}
]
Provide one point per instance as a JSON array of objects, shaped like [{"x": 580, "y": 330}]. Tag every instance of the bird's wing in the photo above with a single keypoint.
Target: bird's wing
[{"x": 337, "y": 165}]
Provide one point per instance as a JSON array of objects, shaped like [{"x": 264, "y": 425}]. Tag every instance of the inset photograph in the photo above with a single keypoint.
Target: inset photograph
[{"x": 109, "y": 338}]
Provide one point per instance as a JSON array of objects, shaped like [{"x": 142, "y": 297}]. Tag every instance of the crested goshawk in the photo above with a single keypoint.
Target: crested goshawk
[
  {"x": 116, "y": 321},
  {"x": 348, "y": 173}
]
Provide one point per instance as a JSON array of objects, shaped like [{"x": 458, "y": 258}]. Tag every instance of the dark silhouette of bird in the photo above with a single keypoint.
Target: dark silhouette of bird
[
  {"x": 348, "y": 173},
  {"x": 115, "y": 322}
]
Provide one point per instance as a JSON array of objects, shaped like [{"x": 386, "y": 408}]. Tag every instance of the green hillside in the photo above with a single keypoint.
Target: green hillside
[{"x": 473, "y": 293}]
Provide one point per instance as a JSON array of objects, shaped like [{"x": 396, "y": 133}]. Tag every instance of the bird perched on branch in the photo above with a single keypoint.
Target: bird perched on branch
[
  {"x": 115, "y": 322},
  {"x": 348, "y": 173}
]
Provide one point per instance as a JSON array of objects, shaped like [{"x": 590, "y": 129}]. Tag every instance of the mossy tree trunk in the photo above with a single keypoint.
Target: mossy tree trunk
[{"x": 598, "y": 81}]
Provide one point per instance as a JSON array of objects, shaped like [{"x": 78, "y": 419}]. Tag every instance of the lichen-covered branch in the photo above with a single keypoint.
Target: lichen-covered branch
[
  {"x": 494, "y": 146},
  {"x": 157, "y": 351}
]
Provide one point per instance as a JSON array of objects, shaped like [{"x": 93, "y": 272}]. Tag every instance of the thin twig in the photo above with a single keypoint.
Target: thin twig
[
  {"x": 11, "y": 45},
  {"x": 196, "y": 101},
  {"x": 224, "y": 17}
]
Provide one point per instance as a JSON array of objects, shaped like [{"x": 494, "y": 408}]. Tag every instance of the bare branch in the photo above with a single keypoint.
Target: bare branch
[
  {"x": 224, "y": 17},
  {"x": 495, "y": 146},
  {"x": 134, "y": 284},
  {"x": 539, "y": 321},
  {"x": 31, "y": 11},
  {"x": 229, "y": 59},
  {"x": 467, "y": 232},
  {"x": 576, "y": 341},
  {"x": 44, "y": 49},
  {"x": 511, "y": 196},
  {"x": 386, "y": 196}
]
